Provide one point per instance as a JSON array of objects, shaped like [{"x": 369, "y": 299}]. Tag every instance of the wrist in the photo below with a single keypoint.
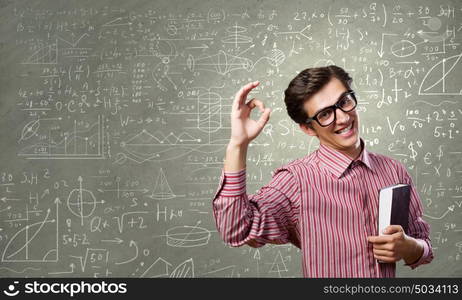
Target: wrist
[
  {"x": 233, "y": 145},
  {"x": 415, "y": 251},
  {"x": 236, "y": 156}
]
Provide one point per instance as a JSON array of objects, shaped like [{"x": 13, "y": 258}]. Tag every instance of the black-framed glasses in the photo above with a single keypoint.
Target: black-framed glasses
[{"x": 346, "y": 102}]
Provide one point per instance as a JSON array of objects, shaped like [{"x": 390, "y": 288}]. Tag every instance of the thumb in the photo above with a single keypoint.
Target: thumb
[
  {"x": 392, "y": 229},
  {"x": 264, "y": 117}
]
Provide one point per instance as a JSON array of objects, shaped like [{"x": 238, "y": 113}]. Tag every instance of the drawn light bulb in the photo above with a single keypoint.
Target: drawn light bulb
[{"x": 433, "y": 36}]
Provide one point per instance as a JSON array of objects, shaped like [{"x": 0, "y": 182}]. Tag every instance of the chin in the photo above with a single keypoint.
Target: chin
[{"x": 349, "y": 144}]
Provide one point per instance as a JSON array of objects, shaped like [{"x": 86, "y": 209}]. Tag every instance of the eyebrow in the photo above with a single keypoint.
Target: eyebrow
[{"x": 338, "y": 99}]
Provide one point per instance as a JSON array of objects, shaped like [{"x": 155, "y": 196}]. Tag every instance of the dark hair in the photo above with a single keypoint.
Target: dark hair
[{"x": 307, "y": 83}]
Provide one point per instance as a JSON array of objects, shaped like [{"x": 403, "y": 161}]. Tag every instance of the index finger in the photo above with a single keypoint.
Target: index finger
[
  {"x": 381, "y": 239},
  {"x": 392, "y": 229},
  {"x": 241, "y": 95}
]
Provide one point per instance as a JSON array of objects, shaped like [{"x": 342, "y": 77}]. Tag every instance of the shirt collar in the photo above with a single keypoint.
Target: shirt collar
[{"x": 337, "y": 163}]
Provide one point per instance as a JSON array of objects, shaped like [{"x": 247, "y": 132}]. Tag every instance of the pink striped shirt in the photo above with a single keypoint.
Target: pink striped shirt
[{"x": 323, "y": 203}]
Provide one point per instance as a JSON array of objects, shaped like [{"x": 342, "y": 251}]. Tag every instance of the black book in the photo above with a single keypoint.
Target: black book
[{"x": 394, "y": 206}]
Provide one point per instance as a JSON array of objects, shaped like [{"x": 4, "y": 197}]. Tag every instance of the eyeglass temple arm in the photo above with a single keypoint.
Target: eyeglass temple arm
[{"x": 307, "y": 121}]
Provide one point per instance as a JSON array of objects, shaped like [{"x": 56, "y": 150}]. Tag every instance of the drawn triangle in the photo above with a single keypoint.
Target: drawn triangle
[{"x": 162, "y": 190}]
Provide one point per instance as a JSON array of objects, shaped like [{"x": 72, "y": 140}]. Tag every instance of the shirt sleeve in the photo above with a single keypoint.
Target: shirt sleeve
[
  {"x": 418, "y": 228},
  {"x": 269, "y": 216}
]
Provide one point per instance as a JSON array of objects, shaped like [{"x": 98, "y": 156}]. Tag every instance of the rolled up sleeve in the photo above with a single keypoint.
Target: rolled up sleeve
[{"x": 269, "y": 216}]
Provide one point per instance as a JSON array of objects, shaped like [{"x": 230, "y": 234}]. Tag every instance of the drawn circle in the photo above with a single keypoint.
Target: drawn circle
[
  {"x": 434, "y": 24},
  {"x": 403, "y": 48},
  {"x": 236, "y": 29},
  {"x": 190, "y": 62},
  {"x": 171, "y": 29},
  {"x": 81, "y": 202},
  {"x": 30, "y": 129},
  {"x": 276, "y": 58}
]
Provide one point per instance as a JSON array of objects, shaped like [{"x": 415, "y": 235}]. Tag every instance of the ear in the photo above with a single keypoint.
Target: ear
[{"x": 308, "y": 129}]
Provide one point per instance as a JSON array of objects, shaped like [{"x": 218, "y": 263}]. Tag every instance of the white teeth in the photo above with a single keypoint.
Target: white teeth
[{"x": 345, "y": 130}]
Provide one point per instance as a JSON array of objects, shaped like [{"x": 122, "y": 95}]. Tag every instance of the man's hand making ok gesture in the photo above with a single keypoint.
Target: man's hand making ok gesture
[{"x": 243, "y": 128}]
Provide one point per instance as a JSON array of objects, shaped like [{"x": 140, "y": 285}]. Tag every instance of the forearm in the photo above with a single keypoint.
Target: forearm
[{"x": 235, "y": 157}]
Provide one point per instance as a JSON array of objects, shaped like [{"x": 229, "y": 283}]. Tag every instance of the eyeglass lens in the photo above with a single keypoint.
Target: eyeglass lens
[{"x": 327, "y": 116}]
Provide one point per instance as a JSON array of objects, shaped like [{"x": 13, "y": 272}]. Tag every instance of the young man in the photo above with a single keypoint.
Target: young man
[{"x": 325, "y": 203}]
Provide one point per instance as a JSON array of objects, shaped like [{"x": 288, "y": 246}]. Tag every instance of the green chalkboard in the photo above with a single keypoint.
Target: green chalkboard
[{"x": 114, "y": 118}]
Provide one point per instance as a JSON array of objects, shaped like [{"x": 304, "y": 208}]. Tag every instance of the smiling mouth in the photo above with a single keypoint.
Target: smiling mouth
[{"x": 346, "y": 129}]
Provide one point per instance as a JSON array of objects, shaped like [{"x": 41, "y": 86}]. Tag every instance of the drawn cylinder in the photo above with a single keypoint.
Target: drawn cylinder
[{"x": 209, "y": 116}]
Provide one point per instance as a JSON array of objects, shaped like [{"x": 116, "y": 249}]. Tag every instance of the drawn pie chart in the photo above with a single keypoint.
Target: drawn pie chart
[{"x": 187, "y": 236}]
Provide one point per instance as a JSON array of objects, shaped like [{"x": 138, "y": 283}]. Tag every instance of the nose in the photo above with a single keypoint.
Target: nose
[{"x": 342, "y": 117}]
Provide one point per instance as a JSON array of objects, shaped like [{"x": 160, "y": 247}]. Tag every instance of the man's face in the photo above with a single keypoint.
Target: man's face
[{"x": 347, "y": 142}]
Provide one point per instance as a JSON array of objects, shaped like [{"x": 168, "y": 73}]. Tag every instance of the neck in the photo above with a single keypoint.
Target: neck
[{"x": 355, "y": 150}]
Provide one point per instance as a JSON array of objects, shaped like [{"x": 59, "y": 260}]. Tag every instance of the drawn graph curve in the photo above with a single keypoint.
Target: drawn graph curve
[{"x": 440, "y": 79}]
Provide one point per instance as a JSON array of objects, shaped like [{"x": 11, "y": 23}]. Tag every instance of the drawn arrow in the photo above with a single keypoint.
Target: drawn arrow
[
  {"x": 450, "y": 209},
  {"x": 4, "y": 199},
  {"x": 58, "y": 202},
  {"x": 381, "y": 52}
]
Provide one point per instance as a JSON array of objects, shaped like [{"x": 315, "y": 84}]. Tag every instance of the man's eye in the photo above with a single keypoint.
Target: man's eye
[
  {"x": 346, "y": 102},
  {"x": 343, "y": 101},
  {"x": 324, "y": 114}
]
